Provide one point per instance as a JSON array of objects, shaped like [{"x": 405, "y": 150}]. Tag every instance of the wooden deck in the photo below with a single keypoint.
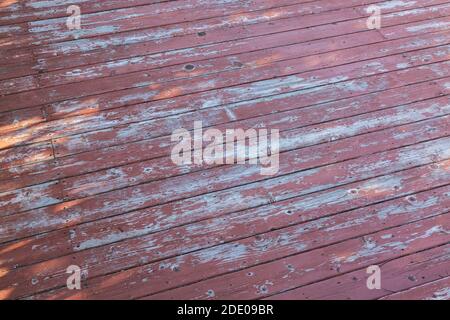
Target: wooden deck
[{"x": 86, "y": 178}]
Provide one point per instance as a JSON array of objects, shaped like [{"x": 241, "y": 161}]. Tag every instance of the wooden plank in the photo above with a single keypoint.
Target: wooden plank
[
  {"x": 135, "y": 18},
  {"x": 42, "y": 96},
  {"x": 303, "y": 268},
  {"x": 125, "y": 254},
  {"x": 17, "y": 69},
  {"x": 18, "y": 60},
  {"x": 10, "y": 158},
  {"x": 234, "y": 12},
  {"x": 194, "y": 27},
  {"x": 410, "y": 28},
  {"x": 436, "y": 290},
  {"x": 11, "y": 86},
  {"x": 29, "y": 10},
  {"x": 137, "y": 173},
  {"x": 96, "y": 234},
  {"x": 250, "y": 195},
  {"x": 263, "y": 52},
  {"x": 236, "y": 19},
  {"x": 144, "y": 62},
  {"x": 284, "y": 273},
  {"x": 397, "y": 275},
  {"x": 139, "y": 151},
  {"x": 107, "y": 49},
  {"x": 22, "y": 199},
  {"x": 133, "y": 252},
  {"x": 207, "y": 99},
  {"x": 309, "y": 80},
  {"x": 11, "y": 30},
  {"x": 21, "y": 120},
  {"x": 74, "y": 188},
  {"x": 112, "y": 202},
  {"x": 95, "y": 121}
]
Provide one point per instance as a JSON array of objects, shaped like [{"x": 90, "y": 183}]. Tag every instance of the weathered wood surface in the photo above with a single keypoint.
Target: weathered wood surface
[
  {"x": 400, "y": 274},
  {"x": 86, "y": 179},
  {"x": 437, "y": 290}
]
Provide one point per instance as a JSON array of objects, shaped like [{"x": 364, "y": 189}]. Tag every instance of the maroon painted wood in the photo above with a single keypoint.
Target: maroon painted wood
[{"x": 86, "y": 176}]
